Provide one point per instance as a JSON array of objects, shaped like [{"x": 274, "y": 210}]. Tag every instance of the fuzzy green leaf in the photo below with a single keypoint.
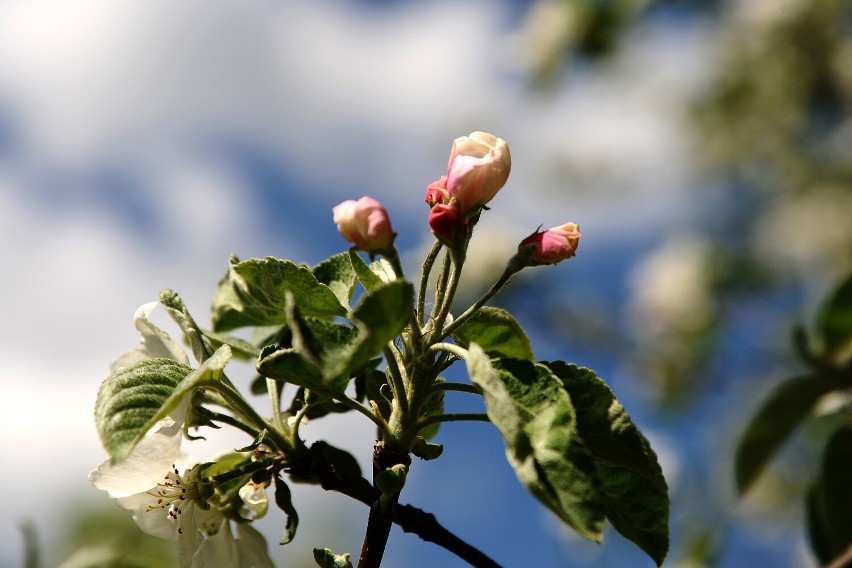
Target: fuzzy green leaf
[
  {"x": 130, "y": 397},
  {"x": 253, "y": 292},
  {"x": 830, "y": 499},
  {"x": 208, "y": 374},
  {"x": 385, "y": 311},
  {"x": 326, "y": 355},
  {"x": 536, "y": 418},
  {"x": 786, "y": 407},
  {"x": 240, "y": 347},
  {"x": 497, "y": 332},
  {"x": 634, "y": 491},
  {"x": 337, "y": 273},
  {"x": 835, "y": 318},
  {"x": 371, "y": 276},
  {"x": 201, "y": 346},
  {"x": 284, "y": 500},
  {"x": 285, "y": 364},
  {"x": 434, "y": 406}
]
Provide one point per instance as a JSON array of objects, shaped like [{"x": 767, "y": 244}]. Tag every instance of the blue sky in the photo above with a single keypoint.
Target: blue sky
[{"x": 142, "y": 143}]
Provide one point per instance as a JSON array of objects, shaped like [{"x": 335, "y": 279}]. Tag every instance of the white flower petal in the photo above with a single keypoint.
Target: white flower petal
[
  {"x": 155, "y": 454},
  {"x": 154, "y": 522},
  {"x": 255, "y": 500},
  {"x": 156, "y": 343},
  {"x": 253, "y": 550},
  {"x": 189, "y": 539},
  {"x": 219, "y": 549}
]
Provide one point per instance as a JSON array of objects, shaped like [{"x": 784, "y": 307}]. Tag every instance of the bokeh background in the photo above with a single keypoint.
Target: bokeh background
[{"x": 705, "y": 149}]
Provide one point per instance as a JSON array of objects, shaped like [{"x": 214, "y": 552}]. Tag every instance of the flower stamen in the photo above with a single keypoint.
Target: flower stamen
[{"x": 171, "y": 492}]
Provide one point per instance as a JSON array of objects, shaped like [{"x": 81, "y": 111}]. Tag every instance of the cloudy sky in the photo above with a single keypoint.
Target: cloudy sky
[{"x": 141, "y": 143}]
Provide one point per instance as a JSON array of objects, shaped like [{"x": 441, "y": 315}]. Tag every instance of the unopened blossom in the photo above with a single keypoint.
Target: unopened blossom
[
  {"x": 364, "y": 223},
  {"x": 551, "y": 246},
  {"x": 446, "y": 220},
  {"x": 479, "y": 166},
  {"x": 436, "y": 192},
  {"x": 255, "y": 500}
]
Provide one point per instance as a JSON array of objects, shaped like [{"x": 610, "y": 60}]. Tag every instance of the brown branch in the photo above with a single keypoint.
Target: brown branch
[
  {"x": 381, "y": 516},
  {"x": 317, "y": 469}
]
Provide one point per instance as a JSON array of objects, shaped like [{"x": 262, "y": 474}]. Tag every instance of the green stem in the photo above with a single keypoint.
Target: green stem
[
  {"x": 457, "y": 417},
  {"x": 396, "y": 370},
  {"x": 275, "y": 403},
  {"x": 424, "y": 281},
  {"x": 231, "y": 421},
  {"x": 440, "y": 289},
  {"x": 392, "y": 256},
  {"x": 241, "y": 471},
  {"x": 297, "y": 420},
  {"x": 240, "y": 406},
  {"x": 496, "y": 287},
  {"x": 456, "y": 350},
  {"x": 457, "y": 261},
  {"x": 358, "y": 407},
  {"x": 458, "y": 387}
]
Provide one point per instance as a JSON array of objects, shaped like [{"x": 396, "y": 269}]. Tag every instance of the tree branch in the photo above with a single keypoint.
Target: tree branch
[{"x": 317, "y": 469}]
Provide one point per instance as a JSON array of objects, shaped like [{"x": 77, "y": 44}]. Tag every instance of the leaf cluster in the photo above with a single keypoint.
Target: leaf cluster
[
  {"x": 568, "y": 438},
  {"x": 829, "y": 498}
]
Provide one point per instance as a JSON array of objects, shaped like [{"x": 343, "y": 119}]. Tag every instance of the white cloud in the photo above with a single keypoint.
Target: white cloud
[{"x": 344, "y": 97}]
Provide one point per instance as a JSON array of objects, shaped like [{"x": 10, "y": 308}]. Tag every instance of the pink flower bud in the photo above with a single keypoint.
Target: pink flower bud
[
  {"x": 365, "y": 223},
  {"x": 551, "y": 246},
  {"x": 479, "y": 166},
  {"x": 446, "y": 220},
  {"x": 436, "y": 192}
]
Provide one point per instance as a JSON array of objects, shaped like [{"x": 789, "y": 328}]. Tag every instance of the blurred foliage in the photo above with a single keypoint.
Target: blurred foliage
[
  {"x": 709, "y": 312},
  {"x": 829, "y": 498},
  {"x": 105, "y": 536}
]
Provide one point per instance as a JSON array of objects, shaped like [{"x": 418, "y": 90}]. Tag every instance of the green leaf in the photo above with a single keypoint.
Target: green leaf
[
  {"x": 786, "y": 407},
  {"x": 535, "y": 416},
  {"x": 379, "y": 317},
  {"x": 208, "y": 374},
  {"x": 497, "y": 332},
  {"x": 325, "y": 558},
  {"x": 343, "y": 462},
  {"x": 337, "y": 273},
  {"x": 385, "y": 311},
  {"x": 367, "y": 275},
  {"x": 253, "y": 292},
  {"x": 835, "y": 318},
  {"x": 201, "y": 347},
  {"x": 377, "y": 389},
  {"x": 634, "y": 491},
  {"x": 284, "y": 500},
  {"x": 830, "y": 499},
  {"x": 326, "y": 355},
  {"x": 240, "y": 347},
  {"x": 434, "y": 406},
  {"x": 130, "y": 397},
  {"x": 285, "y": 364}
]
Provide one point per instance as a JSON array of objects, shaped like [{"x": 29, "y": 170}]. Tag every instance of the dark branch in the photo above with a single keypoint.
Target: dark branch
[{"x": 317, "y": 469}]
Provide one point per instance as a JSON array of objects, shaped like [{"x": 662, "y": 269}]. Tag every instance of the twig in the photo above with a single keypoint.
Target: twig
[
  {"x": 409, "y": 519},
  {"x": 381, "y": 513}
]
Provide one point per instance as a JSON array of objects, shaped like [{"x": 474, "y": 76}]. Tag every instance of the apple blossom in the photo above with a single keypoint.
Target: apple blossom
[
  {"x": 255, "y": 500},
  {"x": 155, "y": 342},
  {"x": 551, "y": 246},
  {"x": 436, "y": 192},
  {"x": 365, "y": 223},
  {"x": 479, "y": 166},
  {"x": 445, "y": 221}
]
